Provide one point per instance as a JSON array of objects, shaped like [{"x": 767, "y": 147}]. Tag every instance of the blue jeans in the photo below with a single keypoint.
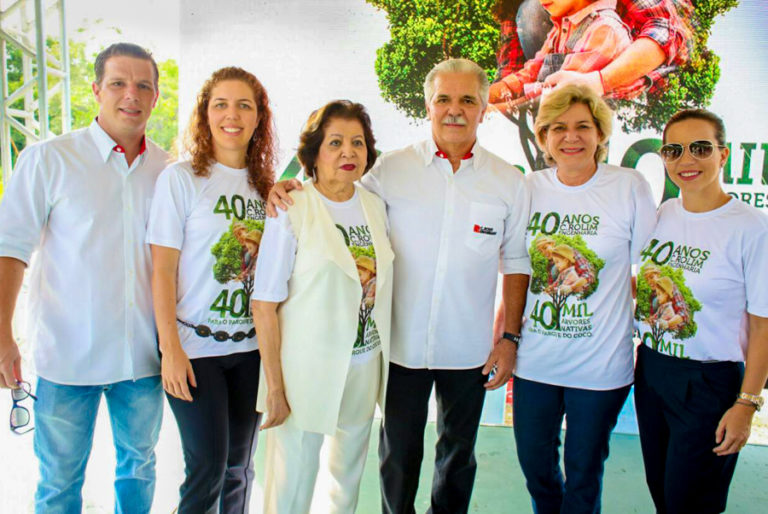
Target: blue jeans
[
  {"x": 65, "y": 417},
  {"x": 538, "y": 416}
]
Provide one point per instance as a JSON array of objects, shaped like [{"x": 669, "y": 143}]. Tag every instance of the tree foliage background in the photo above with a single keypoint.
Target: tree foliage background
[
  {"x": 424, "y": 32},
  {"x": 643, "y": 309},
  {"x": 162, "y": 127}
]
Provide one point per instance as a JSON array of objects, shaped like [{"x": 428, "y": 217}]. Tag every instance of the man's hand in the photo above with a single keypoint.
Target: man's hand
[
  {"x": 503, "y": 357},
  {"x": 279, "y": 197},
  {"x": 733, "y": 430},
  {"x": 10, "y": 364},
  {"x": 277, "y": 409},
  {"x": 176, "y": 370},
  {"x": 563, "y": 78}
]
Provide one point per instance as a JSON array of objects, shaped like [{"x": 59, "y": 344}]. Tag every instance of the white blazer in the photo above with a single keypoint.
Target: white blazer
[{"x": 318, "y": 320}]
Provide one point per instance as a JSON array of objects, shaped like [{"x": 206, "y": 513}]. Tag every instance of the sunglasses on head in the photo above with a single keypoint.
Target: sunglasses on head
[
  {"x": 703, "y": 149},
  {"x": 20, "y": 416}
]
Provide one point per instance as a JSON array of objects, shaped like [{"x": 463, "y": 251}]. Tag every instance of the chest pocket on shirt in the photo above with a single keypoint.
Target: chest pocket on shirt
[{"x": 485, "y": 227}]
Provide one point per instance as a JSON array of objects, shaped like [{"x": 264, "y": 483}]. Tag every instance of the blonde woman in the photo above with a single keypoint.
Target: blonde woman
[{"x": 588, "y": 223}]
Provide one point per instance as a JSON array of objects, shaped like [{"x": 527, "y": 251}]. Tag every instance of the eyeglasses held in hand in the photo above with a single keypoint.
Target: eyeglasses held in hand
[
  {"x": 700, "y": 150},
  {"x": 20, "y": 416}
]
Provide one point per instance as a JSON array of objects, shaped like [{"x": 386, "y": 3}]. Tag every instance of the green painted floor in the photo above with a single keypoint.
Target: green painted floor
[{"x": 500, "y": 488}]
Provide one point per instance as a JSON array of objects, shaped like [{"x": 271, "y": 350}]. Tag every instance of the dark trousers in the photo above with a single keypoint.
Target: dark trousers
[
  {"x": 219, "y": 430},
  {"x": 538, "y": 411},
  {"x": 460, "y": 395},
  {"x": 679, "y": 404}
]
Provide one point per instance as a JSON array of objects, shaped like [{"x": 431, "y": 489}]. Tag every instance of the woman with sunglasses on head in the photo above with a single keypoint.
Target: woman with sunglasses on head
[
  {"x": 205, "y": 227},
  {"x": 702, "y": 310}
]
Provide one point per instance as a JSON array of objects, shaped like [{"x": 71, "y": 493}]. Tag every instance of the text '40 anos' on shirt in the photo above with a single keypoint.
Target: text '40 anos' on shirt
[
  {"x": 451, "y": 234},
  {"x": 77, "y": 201},
  {"x": 216, "y": 222},
  {"x": 276, "y": 265},
  {"x": 583, "y": 241},
  {"x": 702, "y": 273}
]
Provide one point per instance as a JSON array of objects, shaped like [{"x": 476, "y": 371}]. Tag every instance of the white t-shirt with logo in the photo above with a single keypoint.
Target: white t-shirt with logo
[
  {"x": 217, "y": 223},
  {"x": 279, "y": 255},
  {"x": 701, "y": 274},
  {"x": 582, "y": 241}
]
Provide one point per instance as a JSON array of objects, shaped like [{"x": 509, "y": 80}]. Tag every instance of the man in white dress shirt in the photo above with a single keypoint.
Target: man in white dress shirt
[
  {"x": 82, "y": 200},
  {"x": 457, "y": 217}
]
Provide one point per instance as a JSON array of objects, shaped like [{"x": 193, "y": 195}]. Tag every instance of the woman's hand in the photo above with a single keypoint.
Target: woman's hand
[
  {"x": 279, "y": 197},
  {"x": 733, "y": 430},
  {"x": 176, "y": 370},
  {"x": 277, "y": 409}
]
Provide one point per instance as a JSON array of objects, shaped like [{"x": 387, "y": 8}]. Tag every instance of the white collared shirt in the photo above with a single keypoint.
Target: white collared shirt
[
  {"x": 77, "y": 201},
  {"x": 451, "y": 233}
]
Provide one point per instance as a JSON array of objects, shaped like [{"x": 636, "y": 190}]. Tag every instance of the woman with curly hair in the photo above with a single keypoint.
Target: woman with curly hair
[{"x": 206, "y": 221}]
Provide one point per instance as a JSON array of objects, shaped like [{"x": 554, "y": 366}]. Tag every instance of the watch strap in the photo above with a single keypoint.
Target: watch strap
[
  {"x": 513, "y": 338},
  {"x": 754, "y": 399}
]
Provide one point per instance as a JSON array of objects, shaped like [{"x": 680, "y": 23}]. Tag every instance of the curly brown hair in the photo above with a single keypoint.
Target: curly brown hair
[
  {"x": 313, "y": 134},
  {"x": 260, "y": 156}
]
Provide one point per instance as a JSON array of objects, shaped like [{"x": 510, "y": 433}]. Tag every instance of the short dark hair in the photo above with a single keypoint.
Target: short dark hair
[
  {"x": 314, "y": 132},
  {"x": 698, "y": 114},
  {"x": 126, "y": 49}
]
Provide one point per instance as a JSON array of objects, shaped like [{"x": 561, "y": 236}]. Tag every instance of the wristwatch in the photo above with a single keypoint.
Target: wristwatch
[
  {"x": 754, "y": 399},
  {"x": 515, "y": 338}
]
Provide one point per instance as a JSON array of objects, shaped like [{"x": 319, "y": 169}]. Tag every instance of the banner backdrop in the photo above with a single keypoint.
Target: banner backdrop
[{"x": 377, "y": 52}]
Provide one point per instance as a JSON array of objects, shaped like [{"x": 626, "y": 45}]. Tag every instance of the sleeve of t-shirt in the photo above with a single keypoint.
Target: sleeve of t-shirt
[
  {"x": 25, "y": 207},
  {"x": 277, "y": 254},
  {"x": 755, "y": 262},
  {"x": 514, "y": 255},
  {"x": 644, "y": 221},
  {"x": 171, "y": 206}
]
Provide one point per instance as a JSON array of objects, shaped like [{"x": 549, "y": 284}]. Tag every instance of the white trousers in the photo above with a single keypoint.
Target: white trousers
[{"x": 293, "y": 455}]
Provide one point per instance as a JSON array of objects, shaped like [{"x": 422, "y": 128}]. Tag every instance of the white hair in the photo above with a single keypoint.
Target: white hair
[{"x": 457, "y": 66}]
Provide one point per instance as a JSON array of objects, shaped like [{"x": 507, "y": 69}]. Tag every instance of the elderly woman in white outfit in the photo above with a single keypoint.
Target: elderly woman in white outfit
[{"x": 322, "y": 297}]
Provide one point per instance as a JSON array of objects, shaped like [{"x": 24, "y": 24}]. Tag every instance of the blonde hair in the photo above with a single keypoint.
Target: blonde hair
[{"x": 560, "y": 100}]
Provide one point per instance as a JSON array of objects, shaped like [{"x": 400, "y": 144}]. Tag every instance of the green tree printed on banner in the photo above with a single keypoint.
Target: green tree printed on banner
[
  {"x": 646, "y": 292},
  {"x": 542, "y": 276},
  {"x": 424, "y": 32},
  {"x": 234, "y": 259}
]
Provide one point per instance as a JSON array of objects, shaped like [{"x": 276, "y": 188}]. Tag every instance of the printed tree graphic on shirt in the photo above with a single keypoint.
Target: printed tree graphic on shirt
[
  {"x": 665, "y": 303},
  {"x": 368, "y": 296},
  {"x": 563, "y": 267},
  {"x": 236, "y": 253}
]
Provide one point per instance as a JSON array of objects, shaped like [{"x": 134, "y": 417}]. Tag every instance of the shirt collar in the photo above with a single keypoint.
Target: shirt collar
[
  {"x": 579, "y": 16},
  {"x": 106, "y": 145},
  {"x": 429, "y": 151}
]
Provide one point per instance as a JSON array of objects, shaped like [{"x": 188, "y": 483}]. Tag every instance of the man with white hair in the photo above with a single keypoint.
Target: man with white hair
[{"x": 457, "y": 214}]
